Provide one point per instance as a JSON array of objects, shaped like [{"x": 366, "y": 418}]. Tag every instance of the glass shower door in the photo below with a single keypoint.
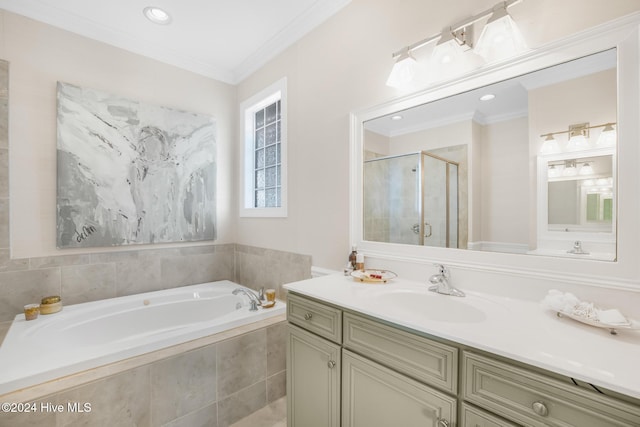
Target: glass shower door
[{"x": 440, "y": 202}]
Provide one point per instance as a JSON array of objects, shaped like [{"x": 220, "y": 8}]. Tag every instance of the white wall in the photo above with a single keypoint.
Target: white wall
[
  {"x": 504, "y": 182},
  {"x": 40, "y": 55},
  {"x": 341, "y": 67}
]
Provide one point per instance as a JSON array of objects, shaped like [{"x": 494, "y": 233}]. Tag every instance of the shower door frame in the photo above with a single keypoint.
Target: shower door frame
[{"x": 447, "y": 190}]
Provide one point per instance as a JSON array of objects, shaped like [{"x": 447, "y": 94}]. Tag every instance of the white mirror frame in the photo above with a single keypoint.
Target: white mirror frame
[
  {"x": 558, "y": 241},
  {"x": 623, "y": 34}
]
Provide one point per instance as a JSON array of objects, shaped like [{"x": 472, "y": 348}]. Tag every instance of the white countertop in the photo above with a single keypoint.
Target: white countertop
[{"x": 518, "y": 329}]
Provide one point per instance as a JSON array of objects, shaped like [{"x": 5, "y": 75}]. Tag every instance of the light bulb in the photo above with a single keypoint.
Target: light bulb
[
  {"x": 607, "y": 137},
  {"x": 500, "y": 37},
  {"x": 550, "y": 145},
  {"x": 403, "y": 70}
]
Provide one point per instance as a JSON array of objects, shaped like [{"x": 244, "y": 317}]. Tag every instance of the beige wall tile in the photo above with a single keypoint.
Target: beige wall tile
[
  {"x": 241, "y": 404},
  {"x": 82, "y": 283},
  {"x": 59, "y": 261},
  {"x": 4, "y": 223},
  {"x": 29, "y": 419},
  {"x": 242, "y": 362},
  {"x": 8, "y": 264},
  {"x": 276, "y": 386},
  {"x": 138, "y": 276},
  {"x": 24, "y": 287},
  {"x": 199, "y": 268},
  {"x": 120, "y": 400},
  {"x": 205, "y": 417},
  {"x": 276, "y": 348},
  {"x": 183, "y": 384},
  {"x": 4, "y": 172}
]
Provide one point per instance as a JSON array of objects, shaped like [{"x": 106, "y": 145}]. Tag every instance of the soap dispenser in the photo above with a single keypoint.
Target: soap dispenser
[{"x": 353, "y": 257}]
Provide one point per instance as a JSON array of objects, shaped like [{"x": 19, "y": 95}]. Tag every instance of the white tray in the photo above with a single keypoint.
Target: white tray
[
  {"x": 365, "y": 276},
  {"x": 633, "y": 325}
]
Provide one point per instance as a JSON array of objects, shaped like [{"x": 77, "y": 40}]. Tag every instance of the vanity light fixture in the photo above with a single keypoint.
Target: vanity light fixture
[
  {"x": 578, "y": 138},
  {"x": 585, "y": 169},
  {"x": 553, "y": 171},
  {"x": 157, "y": 15},
  {"x": 550, "y": 145},
  {"x": 607, "y": 137},
  {"x": 451, "y": 46},
  {"x": 456, "y": 39},
  {"x": 570, "y": 168},
  {"x": 403, "y": 70},
  {"x": 500, "y": 36}
]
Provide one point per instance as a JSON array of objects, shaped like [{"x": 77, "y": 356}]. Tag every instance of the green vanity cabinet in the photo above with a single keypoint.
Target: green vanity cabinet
[
  {"x": 314, "y": 360},
  {"x": 531, "y": 398},
  {"x": 351, "y": 370},
  {"x": 313, "y": 380},
  {"x": 378, "y": 376}
]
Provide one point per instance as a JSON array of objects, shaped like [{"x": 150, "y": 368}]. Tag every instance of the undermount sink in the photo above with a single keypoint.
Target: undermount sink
[{"x": 442, "y": 308}]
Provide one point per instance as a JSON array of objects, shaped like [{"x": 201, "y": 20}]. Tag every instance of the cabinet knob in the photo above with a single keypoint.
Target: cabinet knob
[
  {"x": 308, "y": 316},
  {"x": 442, "y": 423},
  {"x": 540, "y": 408},
  {"x": 331, "y": 364}
]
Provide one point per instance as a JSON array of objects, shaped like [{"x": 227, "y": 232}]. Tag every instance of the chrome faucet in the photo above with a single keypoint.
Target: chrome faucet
[
  {"x": 441, "y": 283},
  {"x": 577, "y": 249},
  {"x": 254, "y": 301}
]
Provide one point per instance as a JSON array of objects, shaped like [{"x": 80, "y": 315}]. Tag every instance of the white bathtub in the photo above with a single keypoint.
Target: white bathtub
[{"x": 85, "y": 336}]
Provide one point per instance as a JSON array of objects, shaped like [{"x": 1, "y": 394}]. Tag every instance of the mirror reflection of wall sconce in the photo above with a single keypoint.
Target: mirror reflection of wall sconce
[
  {"x": 568, "y": 168},
  {"x": 500, "y": 38},
  {"x": 579, "y": 138}
]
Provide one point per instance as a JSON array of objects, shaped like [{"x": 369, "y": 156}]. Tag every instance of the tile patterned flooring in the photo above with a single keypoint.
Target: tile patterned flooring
[{"x": 272, "y": 415}]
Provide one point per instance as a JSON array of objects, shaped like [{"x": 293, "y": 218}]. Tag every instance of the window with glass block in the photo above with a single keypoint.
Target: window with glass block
[{"x": 267, "y": 156}]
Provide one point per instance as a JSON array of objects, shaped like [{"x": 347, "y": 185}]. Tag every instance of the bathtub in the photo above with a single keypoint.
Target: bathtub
[{"x": 88, "y": 335}]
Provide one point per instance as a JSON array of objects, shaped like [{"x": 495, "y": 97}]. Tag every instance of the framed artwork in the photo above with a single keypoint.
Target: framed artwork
[{"x": 132, "y": 173}]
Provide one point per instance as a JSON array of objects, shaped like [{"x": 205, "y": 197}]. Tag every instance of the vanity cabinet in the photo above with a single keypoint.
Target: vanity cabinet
[
  {"x": 374, "y": 395},
  {"x": 351, "y": 370},
  {"x": 534, "y": 399},
  {"x": 313, "y": 380},
  {"x": 379, "y": 375},
  {"x": 314, "y": 361}
]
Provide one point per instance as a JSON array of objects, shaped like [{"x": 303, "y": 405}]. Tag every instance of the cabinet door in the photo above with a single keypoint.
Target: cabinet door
[
  {"x": 375, "y": 396},
  {"x": 313, "y": 380}
]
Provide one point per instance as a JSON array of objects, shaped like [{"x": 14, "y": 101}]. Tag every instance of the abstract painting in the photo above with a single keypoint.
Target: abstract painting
[{"x": 132, "y": 173}]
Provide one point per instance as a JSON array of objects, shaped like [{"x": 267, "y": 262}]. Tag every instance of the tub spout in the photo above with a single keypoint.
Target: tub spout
[{"x": 253, "y": 298}]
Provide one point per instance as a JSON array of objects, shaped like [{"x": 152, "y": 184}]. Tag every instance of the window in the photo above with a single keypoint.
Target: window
[{"x": 264, "y": 167}]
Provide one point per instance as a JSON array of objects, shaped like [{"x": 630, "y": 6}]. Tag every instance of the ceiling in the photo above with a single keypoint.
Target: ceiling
[{"x": 226, "y": 40}]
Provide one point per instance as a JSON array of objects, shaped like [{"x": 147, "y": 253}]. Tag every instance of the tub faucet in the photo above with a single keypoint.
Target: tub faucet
[
  {"x": 441, "y": 283},
  {"x": 254, "y": 301}
]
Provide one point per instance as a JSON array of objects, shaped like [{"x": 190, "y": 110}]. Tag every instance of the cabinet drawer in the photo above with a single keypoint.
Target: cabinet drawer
[
  {"x": 316, "y": 317},
  {"x": 536, "y": 400},
  {"x": 376, "y": 396},
  {"x": 428, "y": 361},
  {"x": 474, "y": 417}
]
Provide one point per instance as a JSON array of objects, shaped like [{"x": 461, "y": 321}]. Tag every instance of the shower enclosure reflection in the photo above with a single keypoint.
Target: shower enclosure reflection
[{"x": 412, "y": 199}]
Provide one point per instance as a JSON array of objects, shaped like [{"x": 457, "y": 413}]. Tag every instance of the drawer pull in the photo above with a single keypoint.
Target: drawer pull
[
  {"x": 442, "y": 423},
  {"x": 331, "y": 364},
  {"x": 308, "y": 316},
  {"x": 540, "y": 408}
]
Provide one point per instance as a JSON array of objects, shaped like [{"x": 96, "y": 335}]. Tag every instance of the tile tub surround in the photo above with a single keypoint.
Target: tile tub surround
[
  {"x": 90, "y": 277},
  {"x": 213, "y": 381}
]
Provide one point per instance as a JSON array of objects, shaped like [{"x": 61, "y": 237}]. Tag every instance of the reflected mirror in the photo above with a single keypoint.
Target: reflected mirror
[{"x": 476, "y": 170}]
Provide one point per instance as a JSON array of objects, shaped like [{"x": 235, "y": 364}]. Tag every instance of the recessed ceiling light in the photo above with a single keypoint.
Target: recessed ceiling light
[
  {"x": 157, "y": 15},
  {"x": 487, "y": 97},
  {"x": 396, "y": 117}
]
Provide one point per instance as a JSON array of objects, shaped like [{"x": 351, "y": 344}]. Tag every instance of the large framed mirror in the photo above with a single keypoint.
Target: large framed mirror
[
  {"x": 455, "y": 172},
  {"x": 460, "y": 172}
]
